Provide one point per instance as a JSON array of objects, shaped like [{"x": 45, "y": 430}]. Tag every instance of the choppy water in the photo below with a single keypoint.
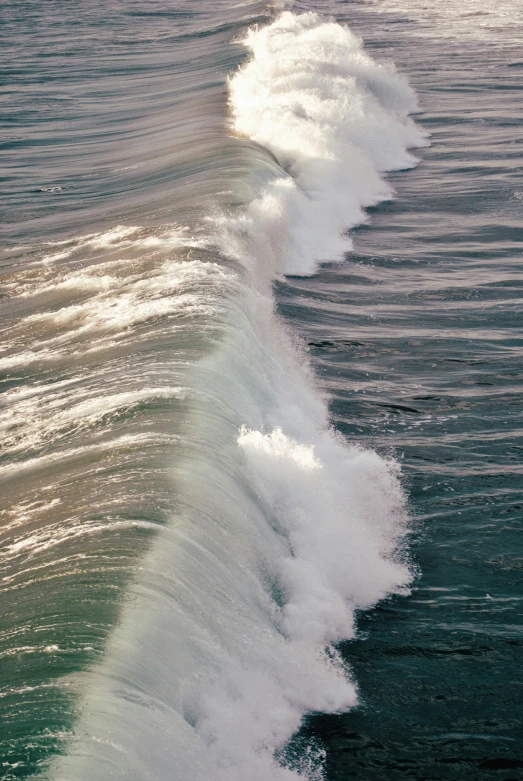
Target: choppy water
[{"x": 186, "y": 542}]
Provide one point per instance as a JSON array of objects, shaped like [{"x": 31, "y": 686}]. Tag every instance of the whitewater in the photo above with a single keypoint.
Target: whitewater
[{"x": 282, "y": 531}]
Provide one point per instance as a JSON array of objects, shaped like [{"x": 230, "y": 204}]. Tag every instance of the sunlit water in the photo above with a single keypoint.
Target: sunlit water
[{"x": 186, "y": 544}]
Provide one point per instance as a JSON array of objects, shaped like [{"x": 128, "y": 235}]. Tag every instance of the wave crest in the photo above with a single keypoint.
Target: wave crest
[{"x": 335, "y": 119}]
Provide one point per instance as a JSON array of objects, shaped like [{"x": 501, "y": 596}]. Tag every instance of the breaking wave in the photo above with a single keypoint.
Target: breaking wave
[
  {"x": 283, "y": 530},
  {"x": 335, "y": 120}
]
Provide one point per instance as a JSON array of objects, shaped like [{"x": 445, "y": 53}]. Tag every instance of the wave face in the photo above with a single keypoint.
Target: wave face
[{"x": 281, "y": 530}]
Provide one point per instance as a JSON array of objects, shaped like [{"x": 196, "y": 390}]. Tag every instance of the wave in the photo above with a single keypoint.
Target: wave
[{"x": 283, "y": 530}]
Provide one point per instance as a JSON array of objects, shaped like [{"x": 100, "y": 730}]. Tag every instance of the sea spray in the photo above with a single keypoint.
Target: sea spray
[{"x": 335, "y": 119}]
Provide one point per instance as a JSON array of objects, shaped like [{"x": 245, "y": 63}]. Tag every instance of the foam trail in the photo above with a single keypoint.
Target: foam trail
[
  {"x": 284, "y": 530},
  {"x": 335, "y": 120}
]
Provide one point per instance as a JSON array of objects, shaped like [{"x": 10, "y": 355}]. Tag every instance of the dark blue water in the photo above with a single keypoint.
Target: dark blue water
[{"x": 142, "y": 548}]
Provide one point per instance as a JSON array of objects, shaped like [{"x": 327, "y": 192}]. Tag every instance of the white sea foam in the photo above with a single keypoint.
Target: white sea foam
[
  {"x": 7, "y": 471},
  {"x": 335, "y": 119},
  {"x": 118, "y": 297},
  {"x": 120, "y": 238},
  {"x": 33, "y": 421},
  {"x": 313, "y": 498}
]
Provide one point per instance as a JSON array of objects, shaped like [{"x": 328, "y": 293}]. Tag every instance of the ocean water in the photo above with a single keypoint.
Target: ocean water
[{"x": 261, "y": 371}]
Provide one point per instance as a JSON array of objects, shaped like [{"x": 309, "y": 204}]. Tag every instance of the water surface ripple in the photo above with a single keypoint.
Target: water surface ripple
[{"x": 418, "y": 342}]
